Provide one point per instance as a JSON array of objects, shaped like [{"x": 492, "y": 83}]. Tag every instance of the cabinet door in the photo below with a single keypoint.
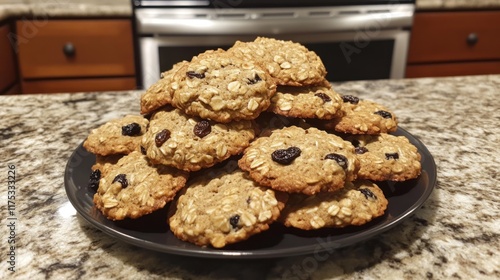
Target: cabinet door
[
  {"x": 8, "y": 72},
  {"x": 76, "y": 48},
  {"x": 455, "y": 36}
]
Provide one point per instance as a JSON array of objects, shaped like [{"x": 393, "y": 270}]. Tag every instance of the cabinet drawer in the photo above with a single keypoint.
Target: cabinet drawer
[
  {"x": 8, "y": 72},
  {"x": 443, "y": 36},
  {"x": 452, "y": 69},
  {"x": 78, "y": 85},
  {"x": 93, "y": 48}
]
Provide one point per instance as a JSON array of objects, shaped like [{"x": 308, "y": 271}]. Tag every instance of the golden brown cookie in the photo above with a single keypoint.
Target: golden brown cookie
[
  {"x": 134, "y": 187},
  {"x": 222, "y": 88},
  {"x": 386, "y": 157},
  {"x": 223, "y": 209},
  {"x": 363, "y": 117},
  {"x": 119, "y": 136},
  {"x": 317, "y": 101},
  {"x": 160, "y": 93},
  {"x": 307, "y": 161},
  {"x": 190, "y": 143},
  {"x": 103, "y": 163},
  {"x": 288, "y": 62},
  {"x": 356, "y": 204}
]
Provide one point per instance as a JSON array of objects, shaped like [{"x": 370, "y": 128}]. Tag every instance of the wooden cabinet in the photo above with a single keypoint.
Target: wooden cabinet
[
  {"x": 78, "y": 85},
  {"x": 77, "y": 55},
  {"x": 8, "y": 71},
  {"x": 454, "y": 43}
]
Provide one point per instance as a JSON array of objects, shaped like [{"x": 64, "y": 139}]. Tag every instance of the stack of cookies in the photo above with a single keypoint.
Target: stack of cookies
[{"x": 263, "y": 138}]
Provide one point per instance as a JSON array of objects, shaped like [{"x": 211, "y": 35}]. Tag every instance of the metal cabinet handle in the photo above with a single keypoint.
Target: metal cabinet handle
[
  {"x": 472, "y": 39},
  {"x": 69, "y": 49}
]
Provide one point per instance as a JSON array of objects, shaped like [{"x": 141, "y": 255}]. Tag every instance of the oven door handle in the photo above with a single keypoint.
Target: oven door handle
[{"x": 252, "y": 25}]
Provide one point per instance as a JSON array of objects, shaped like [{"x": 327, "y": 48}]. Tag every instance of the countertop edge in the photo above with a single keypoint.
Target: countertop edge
[
  {"x": 46, "y": 10},
  {"x": 56, "y": 9}
]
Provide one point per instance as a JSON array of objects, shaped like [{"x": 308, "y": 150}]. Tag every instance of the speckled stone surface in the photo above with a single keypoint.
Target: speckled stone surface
[
  {"x": 456, "y": 4},
  {"x": 12, "y": 8},
  {"x": 455, "y": 235},
  {"x": 82, "y": 8},
  {"x": 64, "y": 8}
]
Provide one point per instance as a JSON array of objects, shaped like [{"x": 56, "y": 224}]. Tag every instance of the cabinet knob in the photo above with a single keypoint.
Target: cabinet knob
[
  {"x": 472, "y": 39},
  {"x": 69, "y": 50}
]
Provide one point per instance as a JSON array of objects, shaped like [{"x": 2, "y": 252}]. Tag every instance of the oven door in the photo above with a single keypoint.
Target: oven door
[
  {"x": 347, "y": 56},
  {"x": 354, "y": 42}
]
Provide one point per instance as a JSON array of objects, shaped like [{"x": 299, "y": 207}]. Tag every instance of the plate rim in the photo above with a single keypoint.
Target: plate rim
[{"x": 283, "y": 252}]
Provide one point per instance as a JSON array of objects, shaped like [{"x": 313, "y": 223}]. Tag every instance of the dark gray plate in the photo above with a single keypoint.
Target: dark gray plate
[{"x": 152, "y": 231}]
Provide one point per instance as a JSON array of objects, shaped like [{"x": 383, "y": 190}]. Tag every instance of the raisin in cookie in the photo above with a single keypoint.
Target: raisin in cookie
[
  {"x": 190, "y": 143},
  {"x": 320, "y": 102},
  {"x": 133, "y": 187},
  {"x": 363, "y": 117},
  {"x": 356, "y": 204},
  {"x": 294, "y": 159},
  {"x": 222, "y": 88},
  {"x": 160, "y": 93},
  {"x": 223, "y": 209},
  {"x": 288, "y": 62},
  {"x": 119, "y": 136},
  {"x": 386, "y": 157}
]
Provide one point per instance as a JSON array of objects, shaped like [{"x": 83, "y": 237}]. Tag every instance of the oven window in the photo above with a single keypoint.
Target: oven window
[{"x": 344, "y": 61}]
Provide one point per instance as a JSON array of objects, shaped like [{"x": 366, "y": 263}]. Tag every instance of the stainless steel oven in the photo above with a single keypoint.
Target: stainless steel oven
[{"x": 356, "y": 39}]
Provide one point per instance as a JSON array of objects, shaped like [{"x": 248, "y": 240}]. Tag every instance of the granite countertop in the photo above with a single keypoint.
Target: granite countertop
[
  {"x": 92, "y": 8},
  {"x": 455, "y": 235},
  {"x": 456, "y": 4},
  {"x": 65, "y": 8}
]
